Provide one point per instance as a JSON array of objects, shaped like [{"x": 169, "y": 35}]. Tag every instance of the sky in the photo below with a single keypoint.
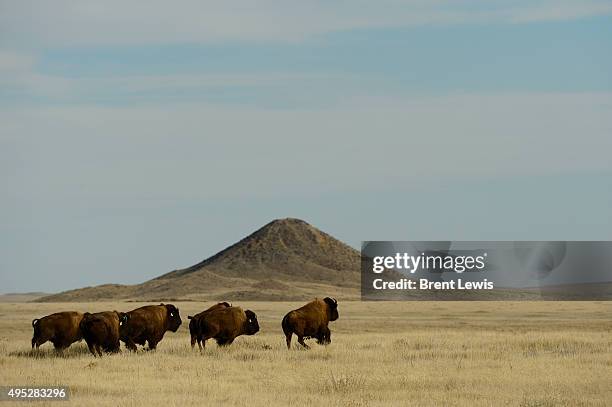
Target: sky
[{"x": 138, "y": 140}]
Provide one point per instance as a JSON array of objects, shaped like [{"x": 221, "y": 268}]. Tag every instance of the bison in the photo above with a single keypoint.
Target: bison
[
  {"x": 195, "y": 326},
  {"x": 226, "y": 324},
  {"x": 61, "y": 328},
  {"x": 149, "y": 324},
  {"x": 310, "y": 321},
  {"x": 101, "y": 331}
]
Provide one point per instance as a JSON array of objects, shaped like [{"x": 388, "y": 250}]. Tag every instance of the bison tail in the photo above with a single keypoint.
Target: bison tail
[
  {"x": 36, "y": 326},
  {"x": 286, "y": 325},
  {"x": 189, "y": 317}
]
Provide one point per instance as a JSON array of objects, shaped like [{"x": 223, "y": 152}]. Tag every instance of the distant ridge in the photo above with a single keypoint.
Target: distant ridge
[
  {"x": 286, "y": 259},
  {"x": 21, "y": 297}
]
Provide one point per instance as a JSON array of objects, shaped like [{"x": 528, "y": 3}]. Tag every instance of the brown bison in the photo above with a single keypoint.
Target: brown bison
[
  {"x": 149, "y": 324},
  {"x": 61, "y": 328},
  {"x": 226, "y": 324},
  {"x": 101, "y": 331},
  {"x": 195, "y": 326},
  {"x": 310, "y": 321}
]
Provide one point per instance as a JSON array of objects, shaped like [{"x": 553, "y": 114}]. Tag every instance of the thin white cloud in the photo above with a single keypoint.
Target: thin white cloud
[
  {"x": 68, "y": 22},
  {"x": 52, "y": 86},
  {"x": 290, "y": 90}
]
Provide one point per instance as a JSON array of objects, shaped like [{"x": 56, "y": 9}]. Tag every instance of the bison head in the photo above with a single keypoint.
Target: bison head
[
  {"x": 84, "y": 320},
  {"x": 332, "y": 308},
  {"x": 123, "y": 317},
  {"x": 251, "y": 324},
  {"x": 174, "y": 318}
]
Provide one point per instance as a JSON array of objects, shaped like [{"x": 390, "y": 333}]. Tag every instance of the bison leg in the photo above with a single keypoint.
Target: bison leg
[
  {"x": 114, "y": 347},
  {"x": 288, "y": 338},
  {"x": 301, "y": 342},
  {"x": 226, "y": 341},
  {"x": 59, "y": 347},
  {"x": 92, "y": 349},
  {"x": 193, "y": 341},
  {"x": 38, "y": 342},
  {"x": 129, "y": 343},
  {"x": 324, "y": 336},
  {"x": 152, "y": 344}
]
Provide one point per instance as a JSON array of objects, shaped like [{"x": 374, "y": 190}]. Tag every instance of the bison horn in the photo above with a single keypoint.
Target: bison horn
[{"x": 335, "y": 301}]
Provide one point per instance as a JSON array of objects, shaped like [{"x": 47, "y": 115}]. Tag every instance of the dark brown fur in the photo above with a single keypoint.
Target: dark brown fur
[
  {"x": 311, "y": 321},
  {"x": 101, "y": 331},
  {"x": 226, "y": 324},
  {"x": 61, "y": 328},
  {"x": 149, "y": 324},
  {"x": 195, "y": 326}
]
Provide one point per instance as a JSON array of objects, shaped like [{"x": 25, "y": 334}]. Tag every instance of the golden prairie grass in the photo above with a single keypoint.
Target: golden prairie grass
[{"x": 383, "y": 353}]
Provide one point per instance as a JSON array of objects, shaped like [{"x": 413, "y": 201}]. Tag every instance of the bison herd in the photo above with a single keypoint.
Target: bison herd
[{"x": 103, "y": 331}]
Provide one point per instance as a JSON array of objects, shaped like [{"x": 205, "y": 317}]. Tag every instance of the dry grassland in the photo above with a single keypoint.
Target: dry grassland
[{"x": 384, "y": 353}]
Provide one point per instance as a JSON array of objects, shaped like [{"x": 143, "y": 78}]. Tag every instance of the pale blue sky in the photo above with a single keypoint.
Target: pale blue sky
[{"x": 135, "y": 141}]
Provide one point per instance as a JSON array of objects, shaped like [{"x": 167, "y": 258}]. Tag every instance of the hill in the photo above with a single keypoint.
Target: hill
[{"x": 285, "y": 260}]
